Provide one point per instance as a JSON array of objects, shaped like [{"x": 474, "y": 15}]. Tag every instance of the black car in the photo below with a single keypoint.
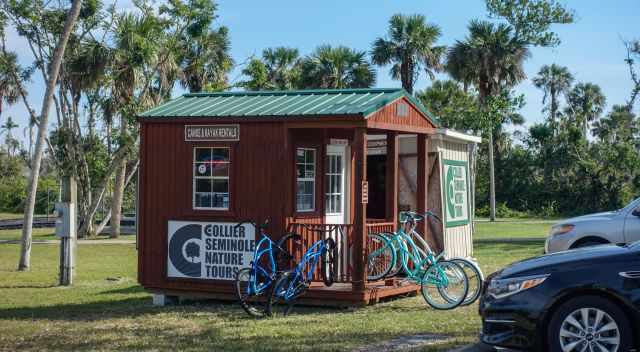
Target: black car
[{"x": 580, "y": 300}]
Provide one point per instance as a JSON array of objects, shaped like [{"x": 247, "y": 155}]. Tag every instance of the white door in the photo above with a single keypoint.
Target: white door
[{"x": 336, "y": 185}]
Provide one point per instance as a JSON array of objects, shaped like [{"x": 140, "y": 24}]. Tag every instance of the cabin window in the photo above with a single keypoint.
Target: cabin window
[
  {"x": 305, "y": 179},
  {"x": 211, "y": 178}
]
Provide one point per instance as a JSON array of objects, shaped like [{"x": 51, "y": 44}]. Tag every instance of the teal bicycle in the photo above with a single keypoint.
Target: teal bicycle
[{"x": 443, "y": 283}]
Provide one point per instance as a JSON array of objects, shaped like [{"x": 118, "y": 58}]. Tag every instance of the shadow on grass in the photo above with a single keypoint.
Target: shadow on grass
[
  {"x": 27, "y": 286},
  {"x": 132, "y": 307},
  {"x": 124, "y": 291},
  {"x": 284, "y": 337}
]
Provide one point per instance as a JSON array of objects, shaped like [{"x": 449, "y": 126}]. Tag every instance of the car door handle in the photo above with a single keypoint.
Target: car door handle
[{"x": 630, "y": 274}]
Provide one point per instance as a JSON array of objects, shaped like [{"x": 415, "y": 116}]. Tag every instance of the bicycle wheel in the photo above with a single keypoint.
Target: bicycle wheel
[
  {"x": 253, "y": 303},
  {"x": 283, "y": 294},
  {"x": 329, "y": 265},
  {"x": 475, "y": 278},
  {"x": 284, "y": 258},
  {"x": 444, "y": 285},
  {"x": 382, "y": 257},
  {"x": 396, "y": 267}
]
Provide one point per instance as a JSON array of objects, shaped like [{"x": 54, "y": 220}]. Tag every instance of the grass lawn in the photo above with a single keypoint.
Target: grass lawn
[
  {"x": 39, "y": 234},
  {"x": 107, "y": 310},
  {"x": 42, "y": 234},
  {"x": 4, "y": 216},
  {"x": 512, "y": 229}
]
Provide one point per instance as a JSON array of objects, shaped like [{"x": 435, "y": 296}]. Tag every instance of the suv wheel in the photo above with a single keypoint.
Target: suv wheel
[{"x": 589, "y": 323}]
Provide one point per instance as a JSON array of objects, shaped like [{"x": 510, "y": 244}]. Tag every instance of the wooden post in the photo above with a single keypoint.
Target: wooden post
[
  {"x": 67, "y": 231},
  {"x": 423, "y": 182},
  {"x": 393, "y": 163},
  {"x": 360, "y": 212}
]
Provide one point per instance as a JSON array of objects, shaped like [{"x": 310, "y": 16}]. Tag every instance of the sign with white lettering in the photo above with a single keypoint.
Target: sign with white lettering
[
  {"x": 456, "y": 192},
  {"x": 197, "y": 133},
  {"x": 209, "y": 250},
  {"x": 365, "y": 192}
]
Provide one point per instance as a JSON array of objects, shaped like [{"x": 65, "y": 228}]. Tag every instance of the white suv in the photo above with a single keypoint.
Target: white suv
[{"x": 620, "y": 227}]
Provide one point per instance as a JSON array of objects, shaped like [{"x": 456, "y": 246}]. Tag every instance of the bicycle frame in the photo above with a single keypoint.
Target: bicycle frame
[
  {"x": 254, "y": 287},
  {"x": 402, "y": 242},
  {"x": 303, "y": 272}
]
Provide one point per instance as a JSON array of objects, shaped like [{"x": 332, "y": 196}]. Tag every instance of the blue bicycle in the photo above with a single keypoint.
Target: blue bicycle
[
  {"x": 269, "y": 258},
  {"x": 294, "y": 283}
]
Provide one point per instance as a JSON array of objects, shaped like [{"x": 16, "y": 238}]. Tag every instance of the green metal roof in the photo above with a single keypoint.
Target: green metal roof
[{"x": 319, "y": 102}]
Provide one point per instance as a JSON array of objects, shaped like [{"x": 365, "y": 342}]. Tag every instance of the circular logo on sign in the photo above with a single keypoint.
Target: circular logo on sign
[
  {"x": 202, "y": 168},
  {"x": 184, "y": 250},
  {"x": 449, "y": 183}
]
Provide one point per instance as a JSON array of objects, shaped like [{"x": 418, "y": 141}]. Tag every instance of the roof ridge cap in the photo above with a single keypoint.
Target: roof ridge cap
[{"x": 295, "y": 91}]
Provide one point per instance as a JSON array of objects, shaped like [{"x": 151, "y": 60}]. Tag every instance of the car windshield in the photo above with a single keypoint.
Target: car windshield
[{"x": 632, "y": 205}]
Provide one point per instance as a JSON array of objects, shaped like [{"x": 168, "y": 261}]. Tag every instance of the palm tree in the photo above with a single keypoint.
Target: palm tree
[
  {"x": 338, "y": 67},
  {"x": 278, "y": 69},
  {"x": 6, "y": 129},
  {"x": 134, "y": 47},
  {"x": 586, "y": 103},
  {"x": 9, "y": 88},
  {"x": 207, "y": 61},
  {"x": 491, "y": 58},
  {"x": 258, "y": 74},
  {"x": 554, "y": 81},
  {"x": 619, "y": 126},
  {"x": 409, "y": 46},
  {"x": 282, "y": 66}
]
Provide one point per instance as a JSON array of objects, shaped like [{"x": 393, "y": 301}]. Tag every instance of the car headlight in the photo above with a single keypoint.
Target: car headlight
[
  {"x": 561, "y": 229},
  {"x": 507, "y": 287}
]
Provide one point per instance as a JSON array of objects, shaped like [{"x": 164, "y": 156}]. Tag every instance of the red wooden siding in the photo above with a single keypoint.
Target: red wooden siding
[
  {"x": 259, "y": 188},
  {"x": 386, "y": 118}
]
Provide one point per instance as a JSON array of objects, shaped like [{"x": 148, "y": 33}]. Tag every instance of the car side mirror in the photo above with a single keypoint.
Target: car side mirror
[{"x": 636, "y": 212}]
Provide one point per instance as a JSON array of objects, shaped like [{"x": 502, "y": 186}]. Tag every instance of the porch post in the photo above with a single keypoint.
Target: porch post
[
  {"x": 392, "y": 177},
  {"x": 423, "y": 181},
  {"x": 359, "y": 277}
]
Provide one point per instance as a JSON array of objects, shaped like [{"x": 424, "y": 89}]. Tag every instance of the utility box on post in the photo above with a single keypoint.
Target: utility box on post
[{"x": 65, "y": 219}]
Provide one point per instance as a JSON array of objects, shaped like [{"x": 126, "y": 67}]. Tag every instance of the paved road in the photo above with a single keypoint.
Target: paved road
[
  {"x": 478, "y": 347},
  {"x": 79, "y": 242},
  {"x": 38, "y": 221}
]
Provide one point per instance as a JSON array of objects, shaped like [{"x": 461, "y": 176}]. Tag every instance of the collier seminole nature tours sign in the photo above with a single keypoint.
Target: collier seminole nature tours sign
[
  {"x": 209, "y": 250},
  {"x": 456, "y": 192},
  {"x": 195, "y": 133}
]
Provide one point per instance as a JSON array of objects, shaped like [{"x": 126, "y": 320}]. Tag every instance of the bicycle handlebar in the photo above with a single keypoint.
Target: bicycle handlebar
[
  {"x": 248, "y": 221},
  {"x": 327, "y": 230},
  {"x": 413, "y": 216}
]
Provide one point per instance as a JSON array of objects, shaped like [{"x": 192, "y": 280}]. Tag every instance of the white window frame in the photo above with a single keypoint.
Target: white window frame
[
  {"x": 196, "y": 177},
  {"x": 329, "y": 179},
  {"x": 307, "y": 179}
]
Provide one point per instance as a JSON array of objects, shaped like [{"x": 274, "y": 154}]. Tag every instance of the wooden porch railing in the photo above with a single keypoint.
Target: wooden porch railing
[
  {"x": 341, "y": 234},
  {"x": 382, "y": 226}
]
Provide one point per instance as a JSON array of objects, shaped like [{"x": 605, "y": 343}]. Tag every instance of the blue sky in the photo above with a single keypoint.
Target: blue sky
[{"x": 592, "y": 47}]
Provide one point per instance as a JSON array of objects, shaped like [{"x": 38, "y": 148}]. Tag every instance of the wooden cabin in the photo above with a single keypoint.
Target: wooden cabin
[{"x": 211, "y": 160}]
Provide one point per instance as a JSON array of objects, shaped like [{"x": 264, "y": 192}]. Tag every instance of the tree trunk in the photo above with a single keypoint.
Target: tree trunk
[
  {"x": 492, "y": 180},
  {"x": 118, "y": 188},
  {"x": 107, "y": 217},
  {"x": 405, "y": 74},
  {"x": 554, "y": 109},
  {"x": 54, "y": 70}
]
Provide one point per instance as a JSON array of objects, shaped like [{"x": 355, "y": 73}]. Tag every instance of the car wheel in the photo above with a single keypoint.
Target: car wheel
[{"x": 589, "y": 323}]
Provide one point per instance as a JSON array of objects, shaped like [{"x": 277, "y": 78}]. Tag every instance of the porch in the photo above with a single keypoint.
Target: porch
[{"x": 350, "y": 287}]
